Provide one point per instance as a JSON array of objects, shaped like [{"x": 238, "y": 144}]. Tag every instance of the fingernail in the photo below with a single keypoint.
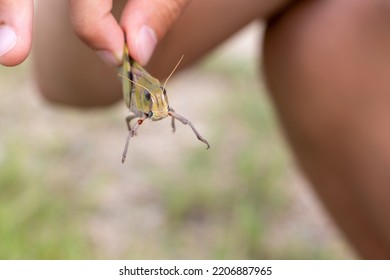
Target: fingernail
[
  {"x": 145, "y": 43},
  {"x": 8, "y": 39},
  {"x": 109, "y": 58}
]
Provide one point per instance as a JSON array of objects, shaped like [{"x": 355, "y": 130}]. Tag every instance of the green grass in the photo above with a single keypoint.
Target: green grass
[{"x": 38, "y": 221}]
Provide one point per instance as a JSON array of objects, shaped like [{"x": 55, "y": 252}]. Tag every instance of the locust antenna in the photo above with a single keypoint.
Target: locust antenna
[
  {"x": 124, "y": 77},
  {"x": 174, "y": 69}
]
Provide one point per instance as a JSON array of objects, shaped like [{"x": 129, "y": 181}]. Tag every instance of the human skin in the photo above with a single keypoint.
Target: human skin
[
  {"x": 18, "y": 16},
  {"x": 325, "y": 63}
]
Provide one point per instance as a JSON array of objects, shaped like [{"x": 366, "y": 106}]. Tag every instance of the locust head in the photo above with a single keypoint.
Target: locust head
[{"x": 158, "y": 103}]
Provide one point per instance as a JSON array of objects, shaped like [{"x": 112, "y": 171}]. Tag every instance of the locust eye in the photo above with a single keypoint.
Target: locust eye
[
  {"x": 147, "y": 95},
  {"x": 164, "y": 90}
]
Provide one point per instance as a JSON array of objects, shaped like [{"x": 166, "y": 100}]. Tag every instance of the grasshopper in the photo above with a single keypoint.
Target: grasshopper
[{"x": 146, "y": 99}]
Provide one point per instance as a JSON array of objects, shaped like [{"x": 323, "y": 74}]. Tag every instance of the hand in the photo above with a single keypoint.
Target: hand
[{"x": 144, "y": 22}]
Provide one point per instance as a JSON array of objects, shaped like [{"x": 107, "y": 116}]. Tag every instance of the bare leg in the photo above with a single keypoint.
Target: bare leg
[
  {"x": 327, "y": 65},
  {"x": 67, "y": 71},
  {"x": 185, "y": 121},
  {"x": 132, "y": 132}
]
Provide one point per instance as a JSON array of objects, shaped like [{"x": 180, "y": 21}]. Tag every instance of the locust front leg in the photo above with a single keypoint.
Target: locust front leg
[
  {"x": 183, "y": 120},
  {"x": 129, "y": 119},
  {"x": 132, "y": 131},
  {"x": 173, "y": 121}
]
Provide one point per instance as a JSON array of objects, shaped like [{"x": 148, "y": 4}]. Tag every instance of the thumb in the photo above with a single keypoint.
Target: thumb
[
  {"x": 16, "y": 17},
  {"x": 147, "y": 22}
]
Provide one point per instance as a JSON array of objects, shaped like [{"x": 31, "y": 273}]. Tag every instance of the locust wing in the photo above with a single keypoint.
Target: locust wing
[
  {"x": 127, "y": 77},
  {"x": 132, "y": 74}
]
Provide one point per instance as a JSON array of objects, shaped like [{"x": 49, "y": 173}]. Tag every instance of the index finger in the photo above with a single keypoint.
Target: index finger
[{"x": 94, "y": 23}]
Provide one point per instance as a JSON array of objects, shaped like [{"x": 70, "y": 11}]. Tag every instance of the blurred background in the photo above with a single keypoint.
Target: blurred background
[{"x": 64, "y": 193}]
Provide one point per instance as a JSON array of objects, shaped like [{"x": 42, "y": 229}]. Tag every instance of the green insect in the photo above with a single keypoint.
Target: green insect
[{"x": 146, "y": 99}]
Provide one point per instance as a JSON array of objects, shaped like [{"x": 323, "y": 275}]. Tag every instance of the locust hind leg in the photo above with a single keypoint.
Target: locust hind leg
[
  {"x": 132, "y": 131},
  {"x": 183, "y": 120}
]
